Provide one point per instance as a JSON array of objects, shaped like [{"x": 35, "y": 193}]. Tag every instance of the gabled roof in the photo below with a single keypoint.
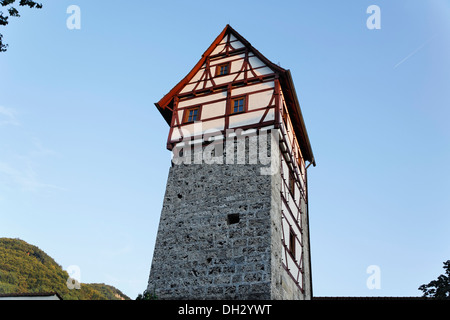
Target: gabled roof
[{"x": 286, "y": 82}]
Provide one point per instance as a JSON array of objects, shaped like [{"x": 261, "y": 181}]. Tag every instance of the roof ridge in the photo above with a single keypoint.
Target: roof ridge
[{"x": 162, "y": 104}]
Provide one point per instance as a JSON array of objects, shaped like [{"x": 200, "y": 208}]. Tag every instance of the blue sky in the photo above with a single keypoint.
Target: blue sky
[{"x": 83, "y": 164}]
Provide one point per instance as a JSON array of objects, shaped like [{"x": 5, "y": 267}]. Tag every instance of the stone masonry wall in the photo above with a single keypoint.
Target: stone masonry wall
[{"x": 219, "y": 236}]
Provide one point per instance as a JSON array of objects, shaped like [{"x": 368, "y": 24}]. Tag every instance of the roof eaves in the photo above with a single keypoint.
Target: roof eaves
[{"x": 309, "y": 156}]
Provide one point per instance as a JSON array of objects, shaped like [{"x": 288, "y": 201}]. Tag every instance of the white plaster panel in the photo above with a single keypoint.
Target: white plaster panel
[
  {"x": 215, "y": 62},
  {"x": 213, "y": 110},
  {"x": 218, "y": 49},
  {"x": 259, "y": 100},
  {"x": 263, "y": 71},
  {"x": 202, "y": 99},
  {"x": 188, "y": 88},
  {"x": 197, "y": 76},
  {"x": 244, "y": 119},
  {"x": 237, "y": 44},
  {"x": 256, "y": 62},
  {"x": 252, "y": 88},
  {"x": 217, "y": 124}
]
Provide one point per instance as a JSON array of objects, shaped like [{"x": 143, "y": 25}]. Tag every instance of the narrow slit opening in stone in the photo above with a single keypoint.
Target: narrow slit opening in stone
[{"x": 233, "y": 218}]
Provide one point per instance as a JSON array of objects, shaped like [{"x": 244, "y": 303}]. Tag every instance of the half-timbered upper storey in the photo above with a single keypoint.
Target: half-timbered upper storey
[{"x": 234, "y": 86}]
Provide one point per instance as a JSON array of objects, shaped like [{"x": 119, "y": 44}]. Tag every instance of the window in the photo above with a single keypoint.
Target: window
[
  {"x": 192, "y": 114},
  {"x": 238, "y": 105},
  {"x": 233, "y": 218},
  {"x": 223, "y": 69},
  {"x": 291, "y": 183},
  {"x": 292, "y": 243}
]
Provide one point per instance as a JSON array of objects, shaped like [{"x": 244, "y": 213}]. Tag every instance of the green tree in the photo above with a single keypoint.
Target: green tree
[
  {"x": 439, "y": 288},
  {"x": 12, "y": 12},
  {"x": 147, "y": 295}
]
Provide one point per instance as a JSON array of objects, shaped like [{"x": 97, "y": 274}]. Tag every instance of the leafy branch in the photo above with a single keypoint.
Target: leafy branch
[
  {"x": 13, "y": 12},
  {"x": 439, "y": 288}
]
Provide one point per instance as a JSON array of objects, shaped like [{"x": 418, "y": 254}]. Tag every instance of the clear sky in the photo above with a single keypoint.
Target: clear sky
[{"x": 83, "y": 163}]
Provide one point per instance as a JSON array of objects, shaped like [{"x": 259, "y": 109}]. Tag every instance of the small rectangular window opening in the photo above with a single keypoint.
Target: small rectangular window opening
[
  {"x": 233, "y": 218},
  {"x": 223, "y": 69},
  {"x": 291, "y": 183},
  {"x": 192, "y": 114},
  {"x": 292, "y": 242},
  {"x": 238, "y": 105}
]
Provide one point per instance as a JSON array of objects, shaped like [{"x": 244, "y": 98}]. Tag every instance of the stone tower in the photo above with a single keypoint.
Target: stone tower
[{"x": 234, "y": 223}]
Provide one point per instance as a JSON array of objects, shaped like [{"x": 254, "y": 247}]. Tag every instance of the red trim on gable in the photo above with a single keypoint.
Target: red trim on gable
[
  {"x": 284, "y": 76},
  {"x": 162, "y": 104},
  {"x": 165, "y": 101}
]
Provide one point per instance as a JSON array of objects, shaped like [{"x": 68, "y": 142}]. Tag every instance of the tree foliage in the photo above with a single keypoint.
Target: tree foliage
[
  {"x": 25, "y": 268},
  {"x": 147, "y": 295},
  {"x": 11, "y": 11},
  {"x": 439, "y": 288}
]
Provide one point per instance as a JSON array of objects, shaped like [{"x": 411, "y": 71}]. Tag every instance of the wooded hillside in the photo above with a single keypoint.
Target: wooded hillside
[{"x": 25, "y": 268}]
